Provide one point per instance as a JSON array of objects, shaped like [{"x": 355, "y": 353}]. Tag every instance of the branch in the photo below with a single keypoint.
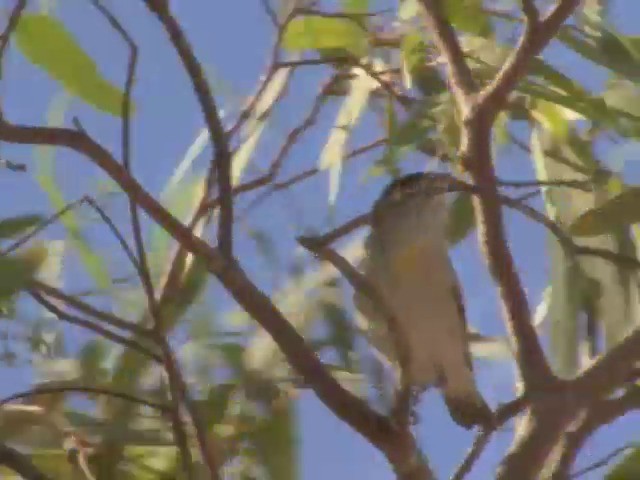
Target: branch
[
  {"x": 12, "y": 23},
  {"x": 537, "y": 35},
  {"x": 351, "y": 409},
  {"x": 81, "y": 322},
  {"x": 444, "y": 36},
  {"x": 598, "y": 414},
  {"x": 108, "y": 392},
  {"x": 502, "y": 415},
  {"x": 222, "y": 158},
  {"x": 20, "y": 463},
  {"x": 611, "y": 370}
]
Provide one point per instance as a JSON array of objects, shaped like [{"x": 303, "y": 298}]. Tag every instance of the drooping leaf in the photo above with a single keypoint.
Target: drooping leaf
[
  {"x": 15, "y": 226},
  {"x": 314, "y": 32},
  {"x": 257, "y": 122},
  {"x": 352, "y": 108},
  {"x": 46, "y": 176},
  {"x": 50, "y": 46},
  {"x": 619, "y": 211},
  {"x": 276, "y": 442},
  {"x": 16, "y": 271},
  {"x": 461, "y": 218},
  {"x": 616, "y": 52}
]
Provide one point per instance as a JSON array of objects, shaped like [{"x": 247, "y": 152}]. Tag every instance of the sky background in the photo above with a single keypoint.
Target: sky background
[{"x": 233, "y": 40}]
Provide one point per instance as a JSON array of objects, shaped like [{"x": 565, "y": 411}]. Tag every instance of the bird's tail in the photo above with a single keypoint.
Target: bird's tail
[{"x": 469, "y": 410}]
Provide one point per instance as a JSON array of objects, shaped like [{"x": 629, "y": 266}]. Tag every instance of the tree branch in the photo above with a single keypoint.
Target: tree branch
[
  {"x": 20, "y": 463},
  {"x": 537, "y": 35},
  {"x": 222, "y": 158},
  {"x": 461, "y": 80}
]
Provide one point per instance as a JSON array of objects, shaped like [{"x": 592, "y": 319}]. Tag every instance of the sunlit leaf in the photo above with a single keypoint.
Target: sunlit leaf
[
  {"x": 350, "y": 112},
  {"x": 314, "y": 32},
  {"x": 257, "y": 123},
  {"x": 50, "y": 46}
]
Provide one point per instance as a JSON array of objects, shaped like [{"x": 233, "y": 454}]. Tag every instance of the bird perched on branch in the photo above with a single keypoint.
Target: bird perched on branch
[{"x": 407, "y": 261}]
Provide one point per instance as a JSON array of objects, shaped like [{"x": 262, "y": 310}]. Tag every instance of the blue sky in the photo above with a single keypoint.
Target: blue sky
[{"x": 233, "y": 40}]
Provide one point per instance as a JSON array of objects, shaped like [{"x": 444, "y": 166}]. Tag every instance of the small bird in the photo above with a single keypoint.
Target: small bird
[{"x": 407, "y": 261}]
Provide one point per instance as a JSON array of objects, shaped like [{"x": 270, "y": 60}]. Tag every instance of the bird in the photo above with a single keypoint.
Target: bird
[{"x": 407, "y": 262}]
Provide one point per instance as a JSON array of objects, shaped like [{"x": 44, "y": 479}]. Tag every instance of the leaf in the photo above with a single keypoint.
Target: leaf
[
  {"x": 45, "y": 175},
  {"x": 15, "y": 226},
  {"x": 341, "y": 335},
  {"x": 276, "y": 442},
  {"x": 18, "y": 270},
  {"x": 462, "y": 219},
  {"x": 257, "y": 122},
  {"x": 350, "y": 112},
  {"x": 628, "y": 468},
  {"x": 355, "y": 6},
  {"x": 613, "y": 51},
  {"x": 468, "y": 16},
  {"x": 217, "y": 403},
  {"x": 314, "y": 32},
  {"x": 46, "y": 43},
  {"x": 620, "y": 211}
]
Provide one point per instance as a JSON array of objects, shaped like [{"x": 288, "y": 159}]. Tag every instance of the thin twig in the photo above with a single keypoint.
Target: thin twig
[
  {"x": 41, "y": 226},
  {"x": 176, "y": 384},
  {"x": 604, "y": 461},
  {"x": 108, "y": 318},
  {"x": 502, "y": 415},
  {"x": 12, "y": 23},
  {"x": 105, "y": 391},
  {"x": 81, "y": 322}
]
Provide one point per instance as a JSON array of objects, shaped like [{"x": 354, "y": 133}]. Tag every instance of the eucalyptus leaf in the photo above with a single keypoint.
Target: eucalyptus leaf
[{"x": 50, "y": 46}]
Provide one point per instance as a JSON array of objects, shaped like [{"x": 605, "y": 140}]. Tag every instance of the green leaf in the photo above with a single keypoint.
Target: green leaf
[
  {"x": 615, "y": 52},
  {"x": 621, "y": 210},
  {"x": 628, "y": 468},
  {"x": 217, "y": 403},
  {"x": 314, "y": 32},
  {"x": 462, "y": 219},
  {"x": 17, "y": 271},
  {"x": 355, "y": 6},
  {"x": 276, "y": 442},
  {"x": 15, "y": 226},
  {"x": 46, "y": 43},
  {"x": 468, "y": 16},
  {"x": 46, "y": 176},
  {"x": 341, "y": 335}
]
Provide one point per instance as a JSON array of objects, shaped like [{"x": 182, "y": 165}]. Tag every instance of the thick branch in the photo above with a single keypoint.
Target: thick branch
[{"x": 20, "y": 463}]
